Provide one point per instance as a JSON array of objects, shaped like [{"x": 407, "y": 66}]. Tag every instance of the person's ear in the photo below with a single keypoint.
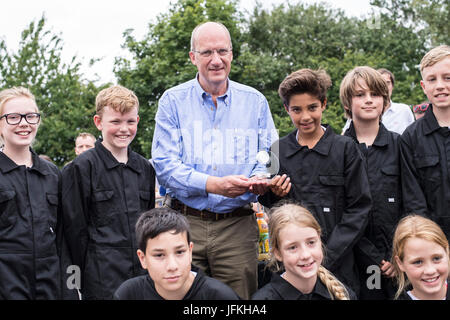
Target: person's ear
[
  {"x": 191, "y": 246},
  {"x": 98, "y": 122},
  {"x": 192, "y": 57},
  {"x": 277, "y": 255},
  {"x": 141, "y": 256},
  {"x": 399, "y": 263},
  {"x": 422, "y": 84},
  {"x": 348, "y": 109},
  {"x": 324, "y": 104}
]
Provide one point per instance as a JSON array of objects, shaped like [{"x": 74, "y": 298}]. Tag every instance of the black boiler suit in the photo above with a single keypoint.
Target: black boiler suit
[
  {"x": 102, "y": 201},
  {"x": 330, "y": 180}
]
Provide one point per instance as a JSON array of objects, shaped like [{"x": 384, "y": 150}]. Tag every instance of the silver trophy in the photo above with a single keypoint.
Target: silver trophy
[{"x": 271, "y": 163}]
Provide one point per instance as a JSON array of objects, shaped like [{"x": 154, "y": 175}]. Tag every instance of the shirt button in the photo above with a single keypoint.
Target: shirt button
[{"x": 214, "y": 168}]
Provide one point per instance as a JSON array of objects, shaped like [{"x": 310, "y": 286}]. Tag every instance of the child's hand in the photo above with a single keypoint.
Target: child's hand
[
  {"x": 387, "y": 269},
  {"x": 258, "y": 186},
  {"x": 280, "y": 185}
]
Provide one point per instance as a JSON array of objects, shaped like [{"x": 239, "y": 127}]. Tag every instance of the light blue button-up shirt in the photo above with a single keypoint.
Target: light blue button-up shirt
[{"x": 193, "y": 139}]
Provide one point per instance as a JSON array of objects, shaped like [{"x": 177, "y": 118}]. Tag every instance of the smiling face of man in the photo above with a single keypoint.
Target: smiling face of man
[{"x": 212, "y": 56}]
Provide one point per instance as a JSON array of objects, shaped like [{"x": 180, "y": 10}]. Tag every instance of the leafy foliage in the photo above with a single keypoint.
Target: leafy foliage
[
  {"x": 161, "y": 59},
  {"x": 66, "y": 103},
  {"x": 268, "y": 44}
]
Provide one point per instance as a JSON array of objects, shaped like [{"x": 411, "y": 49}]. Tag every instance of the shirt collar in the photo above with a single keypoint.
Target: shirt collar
[
  {"x": 226, "y": 97},
  {"x": 289, "y": 292},
  {"x": 322, "y": 147},
  {"x": 7, "y": 165},
  {"x": 430, "y": 122},
  {"x": 381, "y": 140},
  {"x": 111, "y": 162}
]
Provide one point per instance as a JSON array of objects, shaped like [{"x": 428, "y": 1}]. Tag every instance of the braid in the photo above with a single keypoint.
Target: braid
[{"x": 335, "y": 287}]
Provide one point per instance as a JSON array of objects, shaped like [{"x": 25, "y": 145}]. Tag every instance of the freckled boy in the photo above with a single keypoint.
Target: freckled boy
[{"x": 104, "y": 191}]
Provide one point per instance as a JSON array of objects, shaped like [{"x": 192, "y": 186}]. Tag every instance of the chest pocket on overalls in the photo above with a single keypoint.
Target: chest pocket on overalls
[
  {"x": 429, "y": 172},
  {"x": 391, "y": 194},
  {"x": 331, "y": 192},
  {"x": 8, "y": 208},
  {"x": 144, "y": 200},
  {"x": 52, "y": 201},
  {"x": 104, "y": 207}
]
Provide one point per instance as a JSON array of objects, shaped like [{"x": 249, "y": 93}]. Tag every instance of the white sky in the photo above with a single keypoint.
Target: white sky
[{"x": 94, "y": 28}]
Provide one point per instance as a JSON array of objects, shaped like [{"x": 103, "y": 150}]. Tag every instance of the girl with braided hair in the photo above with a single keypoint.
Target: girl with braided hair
[{"x": 296, "y": 250}]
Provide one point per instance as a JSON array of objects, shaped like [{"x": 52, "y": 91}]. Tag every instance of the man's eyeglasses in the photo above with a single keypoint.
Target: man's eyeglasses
[
  {"x": 208, "y": 53},
  {"x": 16, "y": 118},
  {"x": 420, "y": 107}
]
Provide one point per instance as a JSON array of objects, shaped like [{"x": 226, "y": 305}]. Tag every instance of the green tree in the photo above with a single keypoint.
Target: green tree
[
  {"x": 65, "y": 99},
  {"x": 428, "y": 17},
  {"x": 298, "y": 35},
  {"x": 161, "y": 60}
]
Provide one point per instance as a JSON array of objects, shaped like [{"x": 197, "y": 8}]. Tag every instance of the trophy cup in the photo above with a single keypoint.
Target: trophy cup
[{"x": 271, "y": 163}]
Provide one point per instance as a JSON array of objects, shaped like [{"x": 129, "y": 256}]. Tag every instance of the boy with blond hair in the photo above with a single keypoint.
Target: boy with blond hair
[
  {"x": 364, "y": 95},
  {"x": 105, "y": 190},
  {"x": 425, "y": 145}
]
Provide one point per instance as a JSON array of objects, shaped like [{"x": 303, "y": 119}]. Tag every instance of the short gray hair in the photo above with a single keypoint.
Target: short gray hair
[{"x": 194, "y": 33}]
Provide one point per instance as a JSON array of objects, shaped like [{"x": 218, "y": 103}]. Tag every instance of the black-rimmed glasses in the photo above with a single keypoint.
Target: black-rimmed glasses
[{"x": 16, "y": 118}]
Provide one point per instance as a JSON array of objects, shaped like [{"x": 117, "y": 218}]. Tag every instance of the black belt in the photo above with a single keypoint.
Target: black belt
[{"x": 208, "y": 215}]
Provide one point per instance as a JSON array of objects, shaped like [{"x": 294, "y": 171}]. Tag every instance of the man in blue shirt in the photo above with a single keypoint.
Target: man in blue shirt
[{"x": 208, "y": 132}]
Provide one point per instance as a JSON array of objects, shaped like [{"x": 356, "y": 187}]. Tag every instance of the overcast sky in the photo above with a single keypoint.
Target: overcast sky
[{"x": 94, "y": 28}]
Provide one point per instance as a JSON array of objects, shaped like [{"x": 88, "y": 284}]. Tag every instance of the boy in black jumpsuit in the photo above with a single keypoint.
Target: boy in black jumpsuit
[
  {"x": 425, "y": 145},
  {"x": 325, "y": 171},
  {"x": 105, "y": 190},
  {"x": 165, "y": 250},
  {"x": 364, "y": 95}
]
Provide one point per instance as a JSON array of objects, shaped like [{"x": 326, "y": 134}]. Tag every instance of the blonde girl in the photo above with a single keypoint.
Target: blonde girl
[
  {"x": 421, "y": 260},
  {"x": 29, "y": 196},
  {"x": 296, "y": 244}
]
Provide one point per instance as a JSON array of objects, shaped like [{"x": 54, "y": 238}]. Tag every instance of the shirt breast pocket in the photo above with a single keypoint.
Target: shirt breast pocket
[
  {"x": 331, "y": 193},
  {"x": 8, "y": 208},
  {"x": 145, "y": 197},
  {"x": 104, "y": 207},
  {"x": 429, "y": 171},
  {"x": 52, "y": 202},
  {"x": 391, "y": 200}
]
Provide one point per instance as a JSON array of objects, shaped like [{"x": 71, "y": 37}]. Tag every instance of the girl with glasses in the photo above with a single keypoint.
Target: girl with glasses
[{"x": 29, "y": 197}]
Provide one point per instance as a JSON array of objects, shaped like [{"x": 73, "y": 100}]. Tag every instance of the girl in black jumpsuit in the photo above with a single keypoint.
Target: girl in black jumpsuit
[
  {"x": 29, "y": 198},
  {"x": 295, "y": 243},
  {"x": 420, "y": 256}
]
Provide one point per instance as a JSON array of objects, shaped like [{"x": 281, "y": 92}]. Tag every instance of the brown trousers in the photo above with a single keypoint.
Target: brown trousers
[{"x": 227, "y": 250}]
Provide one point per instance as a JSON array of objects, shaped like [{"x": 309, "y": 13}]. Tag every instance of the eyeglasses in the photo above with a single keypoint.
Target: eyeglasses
[
  {"x": 420, "y": 107},
  {"x": 16, "y": 118},
  {"x": 208, "y": 53}
]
